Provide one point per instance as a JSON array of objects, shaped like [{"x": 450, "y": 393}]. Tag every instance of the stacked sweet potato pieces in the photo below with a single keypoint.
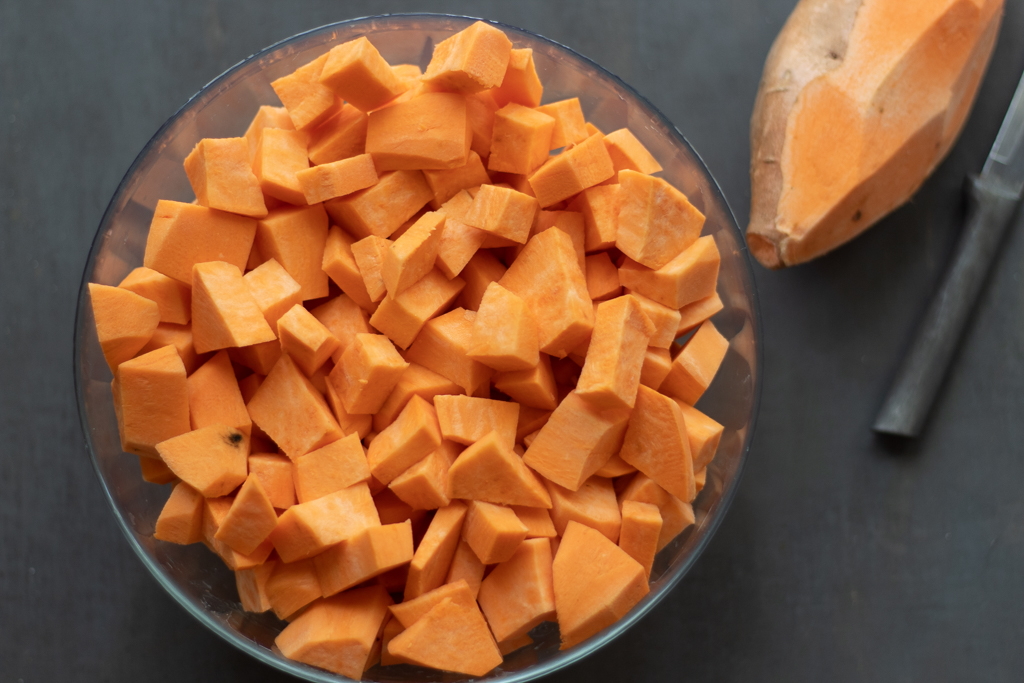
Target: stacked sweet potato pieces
[{"x": 397, "y": 350}]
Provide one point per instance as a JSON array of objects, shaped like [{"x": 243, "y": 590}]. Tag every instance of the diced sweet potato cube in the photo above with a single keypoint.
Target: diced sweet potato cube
[
  {"x": 466, "y": 567},
  {"x": 224, "y": 312},
  {"x": 337, "y": 178},
  {"x": 472, "y": 60},
  {"x": 520, "y": 83},
  {"x": 155, "y": 471},
  {"x": 259, "y": 358},
  {"x": 615, "y": 467},
  {"x": 628, "y": 153},
  {"x": 675, "y": 514},
  {"x": 503, "y": 213},
  {"x": 182, "y": 235},
  {"x": 534, "y": 387},
  {"x": 415, "y": 381},
  {"x": 594, "y": 505},
  {"x": 345, "y": 319},
  {"x": 222, "y": 178},
  {"x": 519, "y": 594},
  {"x": 349, "y": 423},
  {"x": 275, "y": 474},
  {"x": 505, "y": 335},
  {"x": 530, "y": 421},
  {"x": 214, "y": 514},
  {"x": 173, "y": 298},
  {"x": 306, "y": 339},
  {"x": 656, "y": 443},
  {"x": 442, "y": 346},
  {"x": 602, "y": 277},
  {"x": 273, "y": 289},
  {"x": 266, "y": 117},
  {"x": 521, "y": 139},
  {"x": 459, "y": 242},
  {"x": 212, "y": 460},
  {"x": 600, "y": 208},
  {"x": 433, "y": 556},
  {"x": 409, "y": 439},
  {"x": 307, "y": 529},
  {"x": 696, "y": 365},
  {"x": 181, "y": 519},
  {"x": 489, "y": 471},
  {"x": 402, "y": 318},
  {"x": 537, "y": 520},
  {"x": 548, "y": 278},
  {"x": 611, "y": 373},
  {"x": 250, "y": 519},
  {"x": 450, "y": 637},
  {"x": 595, "y": 583},
  {"x": 446, "y": 183},
  {"x": 424, "y": 486},
  {"x": 576, "y": 441},
  {"x": 430, "y": 131},
  {"x": 481, "y": 270},
  {"x": 309, "y": 102},
  {"x": 703, "y": 434},
  {"x": 280, "y": 156},
  {"x": 369, "y": 254},
  {"x": 125, "y": 322},
  {"x": 657, "y": 365},
  {"x": 665, "y": 320},
  {"x": 369, "y": 369},
  {"x": 572, "y": 171},
  {"x": 357, "y": 73},
  {"x": 379, "y": 210},
  {"x": 252, "y": 585},
  {"x": 690, "y": 276},
  {"x": 341, "y": 137},
  {"x": 570, "y": 128},
  {"x": 693, "y": 314},
  {"x": 292, "y": 412},
  {"x": 572, "y": 223},
  {"x": 466, "y": 420},
  {"x": 291, "y": 586},
  {"x": 412, "y": 255},
  {"x": 340, "y": 264},
  {"x": 369, "y": 553},
  {"x": 392, "y": 627},
  {"x": 656, "y": 221},
  {"x": 178, "y": 336},
  {"x": 297, "y": 237},
  {"x": 214, "y": 398},
  {"x": 641, "y": 526},
  {"x": 334, "y": 467},
  {"x": 151, "y": 400},
  {"x": 492, "y": 531},
  {"x": 391, "y": 508}
]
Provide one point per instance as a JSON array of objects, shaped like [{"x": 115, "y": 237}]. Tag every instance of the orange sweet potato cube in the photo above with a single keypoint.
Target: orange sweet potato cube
[
  {"x": 340, "y": 265},
  {"x": 611, "y": 373},
  {"x": 570, "y": 127},
  {"x": 273, "y": 289},
  {"x": 214, "y": 397},
  {"x": 490, "y": 471},
  {"x": 307, "y": 529},
  {"x": 602, "y": 277},
  {"x": 178, "y": 336},
  {"x": 401, "y": 318},
  {"x": 703, "y": 434},
  {"x": 530, "y": 421},
  {"x": 409, "y": 439},
  {"x": 446, "y": 183},
  {"x": 291, "y": 586},
  {"x": 155, "y": 471},
  {"x": 412, "y": 256},
  {"x": 331, "y": 468},
  {"x": 537, "y": 520},
  {"x": 450, "y": 637},
  {"x": 576, "y": 441},
  {"x": 433, "y": 556},
  {"x": 212, "y": 460},
  {"x": 296, "y": 237},
  {"x": 214, "y": 514},
  {"x": 696, "y": 365},
  {"x": 151, "y": 400},
  {"x": 369, "y": 553},
  {"x": 259, "y": 358},
  {"x": 505, "y": 335},
  {"x": 480, "y": 271},
  {"x": 520, "y": 83},
  {"x": 222, "y": 178},
  {"x": 443, "y": 346},
  {"x": 503, "y": 213},
  {"x": 340, "y": 137},
  {"x": 173, "y": 299},
  {"x": 665, "y": 321},
  {"x": 224, "y": 312},
  {"x": 615, "y": 467},
  {"x": 292, "y": 412},
  {"x": 548, "y": 278},
  {"x": 595, "y": 583},
  {"x": 415, "y": 381},
  {"x": 424, "y": 486},
  {"x": 656, "y": 221},
  {"x": 675, "y": 514},
  {"x": 357, "y": 73},
  {"x": 518, "y": 595},
  {"x": 266, "y": 117},
  {"x": 369, "y": 369},
  {"x": 279, "y": 156},
  {"x": 656, "y": 443},
  {"x": 693, "y": 314},
  {"x": 492, "y": 531},
  {"x": 600, "y": 208},
  {"x": 472, "y": 60},
  {"x": 181, "y": 519},
  {"x": 337, "y": 178},
  {"x": 657, "y": 365},
  {"x": 534, "y": 387},
  {"x": 338, "y": 633},
  {"x": 275, "y": 474},
  {"x": 628, "y": 153},
  {"x": 309, "y": 102},
  {"x": 521, "y": 139},
  {"x": 466, "y": 567},
  {"x": 182, "y": 235},
  {"x": 429, "y": 131},
  {"x": 641, "y": 527},
  {"x": 689, "y": 277},
  {"x": 594, "y": 504},
  {"x": 369, "y": 254},
  {"x": 480, "y": 110},
  {"x": 306, "y": 339},
  {"x": 466, "y": 419},
  {"x": 250, "y": 519},
  {"x": 379, "y": 210},
  {"x": 572, "y": 171},
  {"x": 459, "y": 243},
  {"x": 125, "y": 322},
  {"x": 252, "y": 586},
  {"x": 345, "y": 319}
]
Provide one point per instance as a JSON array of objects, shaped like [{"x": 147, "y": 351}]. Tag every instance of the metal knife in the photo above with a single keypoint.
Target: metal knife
[{"x": 994, "y": 196}]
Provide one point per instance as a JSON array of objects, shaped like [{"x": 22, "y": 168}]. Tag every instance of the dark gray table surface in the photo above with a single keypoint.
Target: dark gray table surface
[{"x": 844, "y": 556}]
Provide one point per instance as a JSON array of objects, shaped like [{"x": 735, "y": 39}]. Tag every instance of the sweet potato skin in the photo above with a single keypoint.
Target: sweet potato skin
[{"x": 812, "y": 62}]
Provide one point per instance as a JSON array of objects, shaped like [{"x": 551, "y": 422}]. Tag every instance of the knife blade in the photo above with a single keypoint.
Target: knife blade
[{"x": 993, "y": 197}]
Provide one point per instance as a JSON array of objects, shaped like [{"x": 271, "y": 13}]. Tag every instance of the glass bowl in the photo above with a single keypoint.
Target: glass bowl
[{"x": 196, "y": 578}]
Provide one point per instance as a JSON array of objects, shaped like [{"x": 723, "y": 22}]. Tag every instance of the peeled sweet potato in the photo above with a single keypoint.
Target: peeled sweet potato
[{"x": 858, "y": 103}]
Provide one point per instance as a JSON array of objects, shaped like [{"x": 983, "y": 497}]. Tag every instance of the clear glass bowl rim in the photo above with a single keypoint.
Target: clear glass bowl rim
[{"x": 540, "y": 669}]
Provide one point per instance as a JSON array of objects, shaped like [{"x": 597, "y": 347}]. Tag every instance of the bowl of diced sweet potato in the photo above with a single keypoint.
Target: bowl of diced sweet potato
[{"x": 438, "y": 337}]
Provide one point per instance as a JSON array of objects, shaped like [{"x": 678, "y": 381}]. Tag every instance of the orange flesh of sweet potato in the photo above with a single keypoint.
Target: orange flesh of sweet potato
[
  {"x": 434, "y": 554},
  {"x": 345, "y": 319},
  {"x": 250, "y": 519},
  {"x": 178, "y": 336},
  {"x": 155, "y": 471},
  {"x": 357, "y": 73},
  {"x": 467, "y": 567},
  {"x": 574, "y": 170},
  {"x": 688, "y": 277},
  {"x": 521, "y": 139},
  {"x": 696, "y": 365},
  {"x": 641, "y": 526},
  {"x": 409, "y": 611},
  {"x": 369, "y": 254},
  {"x": 307, "y": 529},
  {"x": 611, "y": 373},
  {"x": 212, "y": 460},
  {"x": 443, "y": 346},
  {"x": 182, "y": 235},
  {"x": 224, "y": 312},
  {"x": 181, "y": 519},
  {"x": 600, "y": 208},
  {"x": 656, "y": 221},
  {"x": 537, "y": 520},
  {"x": 657, "y": 365},
  {"x": 280, "y": 156},
  {"x": 446, "y": 183},
  {"x": 520, "y": 84},
  {"x": 518, "y": 594},
  {"x": 337, "y": 178},
  {"x": 570, "y": 128},
  {"x": 292, "y": 586},
  {"x": 273, "y": 289},
  {"x": 151, "y": 399},
  {"x": 481, "y": 270},
  {"x": 309, "y": 103},
  {"x": 369, "y": 369},
  {"x": 380, "y": 209},
  {"x": 402, "y": 318},
  {"x": 675, "y": 514},
  {"x": 406, "y": 441},
  {"x": 505, "y": 335},
  {"x": 297, "y": 237},
  {"x": 125, "y": 322},
  {"x": 628, "y": 153},
  {"x": 275, "y": 474},
  {"x": 415, "y": 381},
  {"x": 656, "y": 443},
  {"x": 502, "y": 213},
  {"x": 489, "y": 471},
  {"x": 266, "y": 117},
  {"x": 173, "y": 298},
  {"x": 665, "y": 320},
  {"x": 430, "y": 131},
  {"x": 424, "y": 486},
  {"x": 472, "y": 60},
  {"x": 492, "y": 531},
  {"x": 252, "y": 586},
  {"x": 692, "y": 315},
  {"x": 450, "y": 637},
  {"x": 602, "y": 277},
  {"x": 594, "y": 504},
  {"x": 703, "y": 434},
  {"x": 331, "y": 468},
  {"x": 467, "y": 419},
  {"x": 367, "y": 554},
  {"x": 214, "y": 396},
  {"x": 340, "y": 265},
  {"x": 340, "y": 137},
  {"x": 412, "y": 255},
  {"x": 222, "y": 178},
  {"x": 534, "y": 388}
]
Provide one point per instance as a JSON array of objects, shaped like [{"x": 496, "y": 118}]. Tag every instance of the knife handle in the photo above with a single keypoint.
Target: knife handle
[{"x": 913, "y": 391}]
